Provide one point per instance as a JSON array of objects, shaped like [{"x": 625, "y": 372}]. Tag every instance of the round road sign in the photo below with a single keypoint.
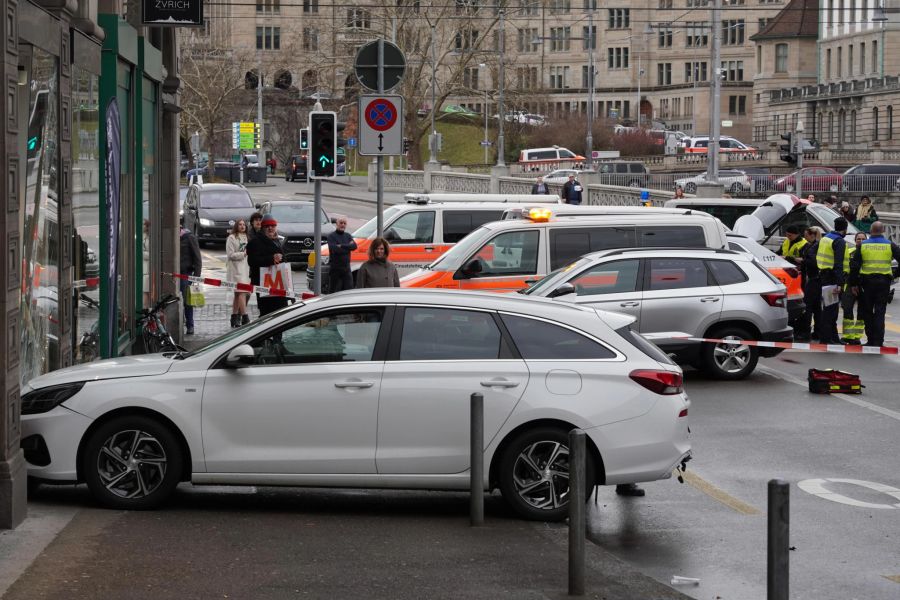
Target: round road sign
[
  {"x": 366, "y": 65},
  {"x": 380, "y": 114}
]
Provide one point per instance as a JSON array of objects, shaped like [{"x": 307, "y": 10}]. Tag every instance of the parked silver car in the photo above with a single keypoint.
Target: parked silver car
[{"x": 707, "y": 293}]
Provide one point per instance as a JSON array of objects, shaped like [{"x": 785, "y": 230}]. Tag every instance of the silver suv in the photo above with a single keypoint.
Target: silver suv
[{"x": 708, "y": 293}]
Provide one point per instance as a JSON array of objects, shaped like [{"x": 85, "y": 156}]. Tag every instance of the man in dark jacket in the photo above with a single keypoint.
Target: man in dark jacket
[
  {"x": 571, "y": 191},
  {"x": 264, "y": 251},
  {"x": 808, "y": 328},
  {"x": 871, "y": 274},
  {"x": 190, "y": 263},
  {"x": 340, "y": 245},
  {"x": 540, "y": 187},
  {"x": 830, "y": 260}
]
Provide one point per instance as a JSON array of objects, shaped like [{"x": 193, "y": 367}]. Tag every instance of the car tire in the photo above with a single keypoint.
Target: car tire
[
  {"x": 520, "y": 468},
  {"x": 690, "y": 188},
  {"x": 119, "y": 480},
  {"x": 736, "y": 188},
  {"x": 729, "y": 362}
]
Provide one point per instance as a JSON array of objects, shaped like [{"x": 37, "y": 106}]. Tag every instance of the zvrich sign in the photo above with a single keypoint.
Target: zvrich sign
[{"x": 173, "y": 13}]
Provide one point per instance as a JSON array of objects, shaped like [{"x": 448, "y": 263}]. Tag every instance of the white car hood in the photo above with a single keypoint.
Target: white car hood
[{"x": 112, "y": 368}]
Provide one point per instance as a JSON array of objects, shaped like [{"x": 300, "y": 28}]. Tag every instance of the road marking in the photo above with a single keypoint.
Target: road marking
[
  {"x": 816, "y": 487},
  {"x": 892, "y": 327},
  {"x": 718, "y": 494},
  {"x": 894, "y": 578},
  {"x": 861, "y": 403}
]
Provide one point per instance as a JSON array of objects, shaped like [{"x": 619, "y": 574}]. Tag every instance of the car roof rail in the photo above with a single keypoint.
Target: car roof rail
[{"x": 616, "y": 251}]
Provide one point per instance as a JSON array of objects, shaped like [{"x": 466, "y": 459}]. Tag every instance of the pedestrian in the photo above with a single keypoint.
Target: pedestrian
[
  {"x": 808, "y": 327},
  {"x": 190, "y": 263},
  {"x": 792, "y": 245},
  {"x": 571, "y": 191},
  {"x": 255, "y": 226},
  {"x": 847, "y": 211},
  {"x": 272, "y": 164},
  {"x": 245, "y": 162},
  {"x": 871, "y": 274},
  {"x": 540, "y": 187},
  {"x": 851, "y": 328},
  {"x": 679, "y": 192},
  {"x": 811, "y": 198},
  {"x": 264, "y": 251},
  {"x": 830, "y": 260},
  {"x": 340, "y": 245},
  {"x": 830, "y": 202},
  {"x": 238, "y": 271},
  {"x": 865, "y": 214},
  {"x": 378, "y": 271}
]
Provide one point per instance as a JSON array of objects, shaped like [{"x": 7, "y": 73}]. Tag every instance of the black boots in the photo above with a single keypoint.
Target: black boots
[
  {"x": 245, "y": 319},
  {"x": 235, "y": 321}
]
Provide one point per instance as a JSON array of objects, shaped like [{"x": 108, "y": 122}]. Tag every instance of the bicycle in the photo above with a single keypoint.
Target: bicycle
[
  {"x": 89, "y": 344},
  {"x": 153, "y": 332}
]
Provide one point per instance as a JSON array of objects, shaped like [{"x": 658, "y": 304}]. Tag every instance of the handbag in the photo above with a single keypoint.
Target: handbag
[{"x": 195, "y": 297}]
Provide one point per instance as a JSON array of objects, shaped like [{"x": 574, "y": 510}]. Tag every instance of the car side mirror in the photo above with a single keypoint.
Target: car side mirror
[
  {"x": 241, "y": 356},
  {"x": 470, "y": 269},
  {"x": 391, "y": 235},
  {"x": 563, "y": 290},
  {"x": 333, "y": 220},
  {"x": 258, "y": 206}
]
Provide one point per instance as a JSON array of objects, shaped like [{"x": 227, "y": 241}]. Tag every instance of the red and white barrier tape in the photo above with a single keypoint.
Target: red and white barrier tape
[
  {"x": 86, "y": 283},
  {"x": 239, "y": 287},
  {"x": 800, "y": 346}
]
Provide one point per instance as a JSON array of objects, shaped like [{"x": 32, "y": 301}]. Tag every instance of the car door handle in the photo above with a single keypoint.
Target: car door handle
[
  {"x": 354, "y": 384},
  {"x": 503, "y": 383},
  {"x": 630, "y": 304},
  {"x": 429, "y": 248},
  {"x": 710, "y": 299}
]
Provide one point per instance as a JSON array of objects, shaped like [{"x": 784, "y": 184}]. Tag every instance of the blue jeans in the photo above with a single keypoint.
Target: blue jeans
[{"x": 188, "y": 310}]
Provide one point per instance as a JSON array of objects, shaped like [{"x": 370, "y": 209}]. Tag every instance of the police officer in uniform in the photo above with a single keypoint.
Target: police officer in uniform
[
  {"x": 812, "y": 288},
  {"x": 830, "y": 260},
  {"x": 871, "y": 273},
  {"x": 792, "y": 247}
]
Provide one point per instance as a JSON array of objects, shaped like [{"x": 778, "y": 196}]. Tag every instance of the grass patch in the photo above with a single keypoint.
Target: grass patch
[{"x": 461, "y": 143}]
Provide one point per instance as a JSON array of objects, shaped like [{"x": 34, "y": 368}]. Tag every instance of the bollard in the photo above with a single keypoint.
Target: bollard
[
  {"x": 779, "y": 521},
  {"x": 476, "y": 459},
  {"x": 577, "y": 509}
]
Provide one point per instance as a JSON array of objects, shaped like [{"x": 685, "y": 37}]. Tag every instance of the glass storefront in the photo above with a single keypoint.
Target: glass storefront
[
  {"x": 125, "y": 251},
  {"x": 86, "y": 212},
  {"x": 151, "y": 238},
  {"x": 39, "y": 212}
]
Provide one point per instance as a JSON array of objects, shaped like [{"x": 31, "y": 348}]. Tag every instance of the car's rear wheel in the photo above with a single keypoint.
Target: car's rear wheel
[
  {"x": 736, "y": 188},
  {"x": 690, "y": 188},
  {"x": 132, "y": 463},
  {"x": 729, "y": 361},
  {"x": 534, "y": 474}
]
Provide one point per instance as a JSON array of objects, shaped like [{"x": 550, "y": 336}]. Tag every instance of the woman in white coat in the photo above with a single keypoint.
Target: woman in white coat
[{"x": 238, "y": 271}]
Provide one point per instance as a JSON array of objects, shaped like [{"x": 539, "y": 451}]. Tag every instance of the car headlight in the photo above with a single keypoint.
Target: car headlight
[
  {"x": 46, "y": 399},
  {"x": 207, "y": 222}
]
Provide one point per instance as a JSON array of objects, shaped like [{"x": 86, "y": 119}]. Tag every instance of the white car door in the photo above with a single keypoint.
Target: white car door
[
  {"x": 309, "y": 403},
  {"x": 443, "y": 356},
  {"x": 613, "y": 285},
  {"x": 679, "y": 295}
]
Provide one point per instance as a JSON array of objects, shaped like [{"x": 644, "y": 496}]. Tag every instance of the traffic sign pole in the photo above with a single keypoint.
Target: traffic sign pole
[{"x": 379, "y": 186}]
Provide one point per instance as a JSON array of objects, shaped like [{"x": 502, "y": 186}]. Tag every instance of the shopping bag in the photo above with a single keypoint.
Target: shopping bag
[
  {"x": 195, "y": 297},
  {"x": 277, "y": 277}
]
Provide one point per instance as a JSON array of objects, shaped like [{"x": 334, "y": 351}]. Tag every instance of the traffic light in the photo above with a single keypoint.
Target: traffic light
[
  {"x": 304, "y": 139},
  {"x": 406, "y": 142},
  {"x": 787, "y": 153},
  {"x": 341, "y": 142},
  {"x": 322, "y": 143}
]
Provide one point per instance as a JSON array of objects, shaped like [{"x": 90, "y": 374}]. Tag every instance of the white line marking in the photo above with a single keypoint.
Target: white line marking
[
  {"x": 861, "y": 403},
  {"x": 816, "y": 487}
]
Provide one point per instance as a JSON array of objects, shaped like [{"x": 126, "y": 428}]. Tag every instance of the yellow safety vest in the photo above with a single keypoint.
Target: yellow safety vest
[
  {"x": 848, "y": 252},
  {"x": 876, "y": 258},
  {"x": 825, "y": 253},
  {"x": 791, "y": 249}
]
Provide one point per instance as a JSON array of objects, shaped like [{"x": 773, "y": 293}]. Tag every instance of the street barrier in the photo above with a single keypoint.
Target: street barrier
[
  {"x": 577, "y": 510},
  {"x": 241, "y": 287},
  {"x": 476, "y": 459},
  {"x": 810, "y": 347},
  {"x": 778, "y": 541}
]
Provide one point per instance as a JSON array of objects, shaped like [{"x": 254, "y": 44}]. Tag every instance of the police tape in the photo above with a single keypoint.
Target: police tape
[
  {"x": 242, "y": 287},
  {"x": 810, "y": 347}
]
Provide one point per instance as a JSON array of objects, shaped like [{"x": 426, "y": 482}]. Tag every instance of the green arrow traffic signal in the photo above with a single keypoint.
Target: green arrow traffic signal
[{"x": 325, "y": 160}]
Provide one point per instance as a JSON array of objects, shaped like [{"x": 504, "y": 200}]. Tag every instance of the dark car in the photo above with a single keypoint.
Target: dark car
[
  {"x": 211, "y": 210},
  {"x": 295, "y": 168},
  {"x": 871, "y": 178},
  {"x": 295, "y": 223},
  {"x": 623, "y": 173}
]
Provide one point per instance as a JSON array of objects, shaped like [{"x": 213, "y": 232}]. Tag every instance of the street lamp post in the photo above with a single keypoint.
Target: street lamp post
[
  {"x": 433, "y": 140},
  {"x": 589, "y": 136},
  {"x": 712, "y": 164},
  {"x": 637, "y": 105},
  {"x": 500, "y": 107},
  {"x": 484, "y": 142}
]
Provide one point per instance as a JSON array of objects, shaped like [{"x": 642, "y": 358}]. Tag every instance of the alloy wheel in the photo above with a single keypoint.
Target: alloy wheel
[
  {"x": 132, "y": 464},
  {"x": 541, "y": 474},
  {"x": 732, "y": 358}
]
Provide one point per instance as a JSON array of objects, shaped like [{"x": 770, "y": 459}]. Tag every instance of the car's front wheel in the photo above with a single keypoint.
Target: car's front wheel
[
  {"x": 534, "y": 474},
  {"x": 691, "y": 188},
  {"x": 729, "y": 361},
  {"x": 132, "y": 463},
  {"x": 736, "y": 188}
]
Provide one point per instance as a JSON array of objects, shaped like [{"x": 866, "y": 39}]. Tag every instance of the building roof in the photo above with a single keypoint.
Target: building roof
[{"x": 800, "y": 18}]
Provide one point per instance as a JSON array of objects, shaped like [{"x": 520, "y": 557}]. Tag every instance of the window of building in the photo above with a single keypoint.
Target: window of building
[
  {"x": 733, "y": 70},
  {"x": 676, "y": 107},
  {"x": 526, "y": 78},
  {"x": 584, "y": 77},
  {"x": 841, "y": 12},
  {"x": 310, "y": 39},
  {"x": 696, "y": 34},
  {"x": 530, "y": 7},
  {"x": 862, "y": 55},
  {"x": 762, "y": 24},
  {"x": 759, "y": 59},
  {"x": 688, "y": 106},
  {"x": 526, "y": 40},
  {"x": 619, "y": 18},
  {"x": 560, "y": 7},
  {"x": 733, "y": 2},
  {"x": 737, "y": 105},
  {"x": 853, "y": 127},
  {"x": 840, "y": 61},
  {"x": 467, "y": 7},
  {"x": 875, "y": 68},
  {"x": 560, "y": 39},
  {"x": 663, "y": 73},
  {"x": 559, "y": 76},
  {"x": 875, "y": 123},
  {"x": 664, "y": 108},
  {"x": 781, "y": 58},
  {"x": 831, "y": 127},
  {"x": 733, "y": 32},
  {"x": 617, "y": 58},
  {"x": 890, "y": 123},
  {"x": 358, "y": 18},
  {"x": 465, "y": 39},
  {"x": 828, "y": 64},
  {"x": 268, "y": 38},
  {"x": 470, "y": 78},
  {"x": 850, "y": 60},
  {"x": 664, "y": 35},
  {"x": 589, "y": 38},
  {"x": 310, "y": 6},
  {"x": 665, "y": 4},
  {"x": 697, "y": 3},
  {"x": 695, "y": 71}
]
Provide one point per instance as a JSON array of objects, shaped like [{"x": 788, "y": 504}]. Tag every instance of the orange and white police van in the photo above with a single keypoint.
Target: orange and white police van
[
  {"x": 510, "y": 255},
  {"x": 425, "y": 226}
]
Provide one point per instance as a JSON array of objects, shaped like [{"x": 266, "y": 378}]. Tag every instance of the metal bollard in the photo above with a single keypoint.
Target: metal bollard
[
  {"x": 476, "y": 459},
  {"x": 577, "y": 511},
  {"x": 779, "y": 522}
]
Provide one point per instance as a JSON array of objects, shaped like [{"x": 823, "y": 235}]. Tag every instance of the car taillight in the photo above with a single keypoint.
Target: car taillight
[
  {"x": 792, "y": 272},
  {"x": 660, "y": 382},
  {"x": 775, "y": 299}
]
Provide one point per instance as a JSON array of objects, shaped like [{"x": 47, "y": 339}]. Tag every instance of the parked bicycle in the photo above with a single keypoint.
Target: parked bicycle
[
  {"x": 89, "y": 344},
  {"x": 153, "y": 332}
]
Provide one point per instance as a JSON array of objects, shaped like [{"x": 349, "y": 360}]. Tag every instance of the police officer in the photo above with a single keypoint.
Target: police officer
[
  {"x": 851, "y": 329},
  {"x": 830, "y": 260},
  {"x": 871, "y": 273},
  {"x": 793, "y": 244},
  {"x": 812, "y": 287}
]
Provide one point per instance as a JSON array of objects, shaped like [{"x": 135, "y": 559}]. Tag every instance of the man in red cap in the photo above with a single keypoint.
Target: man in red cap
[{"x": 264, "y": 251}]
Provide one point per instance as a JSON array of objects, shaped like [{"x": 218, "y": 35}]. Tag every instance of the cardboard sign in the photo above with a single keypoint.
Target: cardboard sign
[{"x": 277, "y": 277}]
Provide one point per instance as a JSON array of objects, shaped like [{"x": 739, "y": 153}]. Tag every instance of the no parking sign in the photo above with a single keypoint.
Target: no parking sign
[{"x": 381, "y": 125}]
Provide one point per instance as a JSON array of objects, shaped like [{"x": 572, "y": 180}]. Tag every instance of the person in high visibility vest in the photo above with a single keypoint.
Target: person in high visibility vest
[
  {"x": 808, "y": 327},
  {"x": 830, "y": 260},
  {"x": 793, "y": 244},
  {"x": 871, "y": 274},
  {"x": 851, "y": 328}
]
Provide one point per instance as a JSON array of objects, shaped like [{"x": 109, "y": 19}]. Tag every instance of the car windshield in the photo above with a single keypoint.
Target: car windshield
[
  {"x": 827, "y": 216},
  {"x": 453, "y": 258},
  {"x": 295, "y": 213},
  {"x": 368, "y": 230},
  {"x": 223, "y": 340},
  {"x": 225, "y": 199}
]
